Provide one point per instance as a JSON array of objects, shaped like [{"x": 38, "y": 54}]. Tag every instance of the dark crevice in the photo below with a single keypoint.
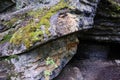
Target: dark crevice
[
  {"x": 88, "y": 49},
  {"x": 114, "y": 52},
  {"x": 5, "y": 5}
]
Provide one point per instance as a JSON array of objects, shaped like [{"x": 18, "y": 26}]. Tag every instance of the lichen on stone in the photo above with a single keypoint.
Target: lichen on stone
[
  {"x": 10, "y": 22},
  {"x": 32, "y": 32}
]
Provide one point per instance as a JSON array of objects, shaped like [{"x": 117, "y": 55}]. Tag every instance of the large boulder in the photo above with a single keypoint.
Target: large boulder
[
  {"x": 26, "y": 28},
  {"x": 42, "y": 63},
  {"x": 37, "y": 41}
]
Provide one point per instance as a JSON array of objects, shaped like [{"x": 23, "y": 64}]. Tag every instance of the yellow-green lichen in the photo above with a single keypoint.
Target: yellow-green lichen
[
  {"x": 32, "y": 33},
  {"x": 10, "y": 22},
  {"x": 26, "y": 35}
]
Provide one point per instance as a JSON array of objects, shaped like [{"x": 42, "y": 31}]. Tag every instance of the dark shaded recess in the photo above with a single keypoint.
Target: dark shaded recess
[
  {"x": 106, "y": 24},
  {"x": 5, "y": 4},
  {"x": 107, "y": 51},
  {"x": 114, "y": 52},
  {"x": 109, "y": 73},
  {"x": 93, "y": 50},
  {"x": 106, "y": 9},
  {"x": 103, "y": 52},
  {"x": 104, "y": 18},
  {"x": 105, "y": 12},
  {"x": 84, "y": 50}
]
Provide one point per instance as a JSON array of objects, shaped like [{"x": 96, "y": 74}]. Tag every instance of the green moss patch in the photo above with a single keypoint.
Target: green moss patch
[
  {"x": 6, "y": 38},
  {"x": 10, "y": 22},
  {"x": 32, "y": 33}
]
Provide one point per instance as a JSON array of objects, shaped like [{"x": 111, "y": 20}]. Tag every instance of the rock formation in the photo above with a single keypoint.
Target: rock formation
[
  {"x": 39, "y": 37},
  {"x": 107, "y": 22},
  {"x": 98, "y": 59}
]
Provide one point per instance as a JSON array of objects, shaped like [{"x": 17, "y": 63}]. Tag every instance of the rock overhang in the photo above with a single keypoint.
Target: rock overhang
[{"x": 32, "y": 26}]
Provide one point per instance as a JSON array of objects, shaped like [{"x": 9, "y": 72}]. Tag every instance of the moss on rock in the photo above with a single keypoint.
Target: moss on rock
[
  {"x": 32, "y": 33},
  {"x": 10, "y": 22},
  {"x": 6, "y": 38}
]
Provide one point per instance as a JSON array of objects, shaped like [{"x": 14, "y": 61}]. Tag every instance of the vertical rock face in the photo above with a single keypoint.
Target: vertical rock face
[
  {"x": 26, "y": 36},
  {"x": 107, "y": 26}
]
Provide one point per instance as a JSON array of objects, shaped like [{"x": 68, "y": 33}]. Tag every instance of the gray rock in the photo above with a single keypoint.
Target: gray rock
[
  {"x": 32, "y": 65},
  {"x": 47, "y": 53},
  {"x": 62, "y": 23},
  {"x": 3, "y": 28},
  {"x": 107, "y": 26},
  {"x": 23, "y": 3}
]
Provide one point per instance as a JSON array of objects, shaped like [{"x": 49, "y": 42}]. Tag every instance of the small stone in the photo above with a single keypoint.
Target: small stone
[{"x": 36, "y": 20}]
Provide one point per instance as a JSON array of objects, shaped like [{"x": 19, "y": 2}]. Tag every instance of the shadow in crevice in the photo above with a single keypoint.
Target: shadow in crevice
[
  {"x": 97, "y": 50},
  {"x": 91, "y": 61},
  {"x": 114, "y": 52}
]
